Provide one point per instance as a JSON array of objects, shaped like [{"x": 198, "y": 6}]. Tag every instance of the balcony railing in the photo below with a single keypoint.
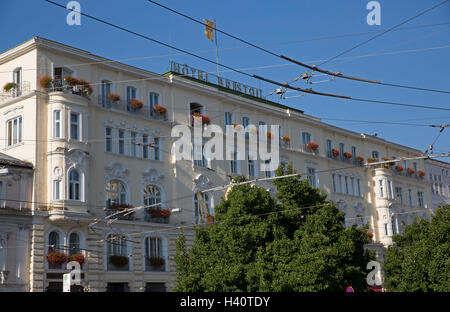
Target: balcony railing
[
  {"x": 124, "y": 106},
  {"x": 21, "y": 89},
  {"x": 61, "y": 86}
]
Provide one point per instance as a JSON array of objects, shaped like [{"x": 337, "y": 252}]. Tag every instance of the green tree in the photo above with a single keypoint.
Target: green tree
[
  {"x": 254, "y": 247},
  {"x": 419, "y": 259}
]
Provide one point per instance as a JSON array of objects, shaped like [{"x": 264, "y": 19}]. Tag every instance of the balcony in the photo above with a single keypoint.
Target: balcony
[
  {"x": 59, "y": 85},
  {"x": 123, "y": 106},
  {"x": 21, "y": 89}
]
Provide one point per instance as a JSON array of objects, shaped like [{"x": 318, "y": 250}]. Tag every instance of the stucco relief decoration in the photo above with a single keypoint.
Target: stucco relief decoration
[
  {"x": 151, "y": 175},
  {"x": 75, "y": 158},
  {"x": 57, "y": 173},
  {"x": 202, "y": 182},
  {"x": 116, "y": 171}
]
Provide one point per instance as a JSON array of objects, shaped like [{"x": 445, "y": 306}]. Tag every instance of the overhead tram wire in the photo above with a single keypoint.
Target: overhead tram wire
[
  {"x": 285, "y": 85},
  {"x": 314, "y": 67},
  {"x": 384, "y": 32}
]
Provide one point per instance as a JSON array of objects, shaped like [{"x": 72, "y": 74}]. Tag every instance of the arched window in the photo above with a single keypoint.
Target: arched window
[
  {"x": 53, "y": 241},
  {"x": 117, "y": 252},
  {"x": 74, "y": 244},
  {"x": 74, "y": 185},
  {"x": 152, "y": 196},
  {"x": 202, "y": 206},
  {"x": 115, "y": 193}
]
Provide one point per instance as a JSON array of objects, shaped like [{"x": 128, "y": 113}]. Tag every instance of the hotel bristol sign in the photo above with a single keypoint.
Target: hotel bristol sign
[{"x": 188, "y": 71}]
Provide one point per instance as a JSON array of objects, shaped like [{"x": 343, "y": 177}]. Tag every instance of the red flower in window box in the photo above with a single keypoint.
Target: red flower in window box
[
  {"x": 85, "y": 86},
  {"x": 205, "y": 119},
  {"x": 286, "y": 138},
  {"x": 348, "y": 155},
  {"x": 159, "y": 109},
  {"x": 136, "y": 104},
  {"x": 421, "y": 173},
  {"x": 411, "y": 171},
  {"x": 56, "y": 257},
  {"x": 399, "y": 168},
  {"x": 335, "y": 152},
  {"x": 71, "y": 81},
  {"x": 209, "y": 218},
  {"x": 360, "y": 159},
  {"x": 314, "y": 146},
  {"x": 77, "y": 257},
  {"x": 159, "y": 213},
  {"x": 114, "y": 97},
  {"x": 118, "y": 260},
  {"x": 45, "y": 81}
]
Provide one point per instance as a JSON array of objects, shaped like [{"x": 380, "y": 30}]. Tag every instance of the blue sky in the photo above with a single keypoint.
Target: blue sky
[{"x": 417, "y": 57}]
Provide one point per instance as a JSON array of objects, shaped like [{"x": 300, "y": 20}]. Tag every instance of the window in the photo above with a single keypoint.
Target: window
[
  {"x": 54, "y": 241},
  {"x": 106, "y": 90},
  {"x": 196, "y": 108},
  {"x": 399, "y": 194},
  {"x": 410, "y": 197},
  {"x": 154, "y": 248},
  {"x": 108, "y": 139},
  {"x": 306, "y": 138},
  {"x": 354, "y": 153},
  {"x": 74, "y": 244},
  {"x": 251, "y": 168},
  {"x": 415, "y": 167},
  {"x": 389, "y": 186},
  {"x": 14, "y": 130},
  {"x": 75, "y": 126},
  {"x": 340, "y": 184},
  {"x": 245, "y": 122},
  {"x": 342, "y": 151},
  {"x": 199, "y": 158},
  {"x": 121, "y": 141},
  {"x": 353, "y": 186},
  {"x": 202, "y": 206},
  {"x": 153, "y": 100},
  {"x": 359, "y": 187},
  {"x": 234, "y": 163},
  {"x": 152, "y": 197},
  {"x": 381, "y": 188},
  {"x": 420, "y": 200},
  {"x": 116, "y": 246},
  {"x": 56, "y": 124},
  {"x": 145, "y": 146},
  {"x": 17, "y": 78},
  {"x": 56, "y": 189},
  {"x": 2, "y": 196},
  {"x": 58, "y": 74},
  {"x": 131, "y": 94},
  {"x": 268, "y": 173},
  {"x": 386, "y": 229},
  {"x": 311, "y": 176},
  {"x": 228, "y": 118},
  {"x": 133, "y": 151},
  {"x": 115, "y": 193},
  {"x": 376, "y": 155},
  {"x": 329, "y": 148},
  {"x": 156, "y": 148},
  {"x": 74, "y": 185},
  {"x": 333, "y": 177}
]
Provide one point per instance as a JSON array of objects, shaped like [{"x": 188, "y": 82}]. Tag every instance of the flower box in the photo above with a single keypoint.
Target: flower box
[
  {"x": 236, "y": 126},
  {"x": 286, "y": 138},
  {"x": 159, "y": 109},
  {"x": 348, "y": 155},
  {"x": 372, "y": 160},
  {"x": 118, "y": 260},
  {"x": 114, "y": 97},
  {"x": 410, "y": 171},
  {"x": 399, "y": 168},
  {"x": 205, "y": 119},
  {"x": 9, "y": 86},
  {"x": 156, "y": 261},
  {"x": 209, "y": 218},
  {"x": 56, "y": 257},
  {"x": 421, "y": 173},
  {"x": 45, "y": 82},
  {"x": 313, "y": 146},
  {"x": 71, "y": 81},
  {"x": 77, "y": 257},
  {"x": 136, "y": 104},
  {"x": 360, "y": 159},
  {"x": 335, "y": 152},
  {"x": 159, "y": 213}
]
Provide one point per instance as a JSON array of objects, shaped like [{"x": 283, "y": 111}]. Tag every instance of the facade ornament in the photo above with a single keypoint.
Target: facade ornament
[
  {"x": 151, "y": 175},
  {"x": 75, "y": 158},
  {"x": 116, "y": 171},
  {"x": 202, "y": 182}
]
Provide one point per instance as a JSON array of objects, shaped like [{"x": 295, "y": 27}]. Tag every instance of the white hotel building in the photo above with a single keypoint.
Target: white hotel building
[{"x": 91, "y": 154}]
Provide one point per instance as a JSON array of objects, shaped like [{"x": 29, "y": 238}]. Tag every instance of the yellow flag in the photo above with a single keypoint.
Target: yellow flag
[{"x": 209, "y": 29}]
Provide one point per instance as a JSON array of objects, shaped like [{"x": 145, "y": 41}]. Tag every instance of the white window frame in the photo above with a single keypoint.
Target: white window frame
[
  {"x": 16, "y": 131},
  {"x": 78, "y": 124},
  {"x": 74, "y": 183},
  {"x": 109, "y": 140},
  {"x": 57, "y": 124}
]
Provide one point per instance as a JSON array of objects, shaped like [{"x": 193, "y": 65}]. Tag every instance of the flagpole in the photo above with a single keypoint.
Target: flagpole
[{"x": 217, "y": 49}]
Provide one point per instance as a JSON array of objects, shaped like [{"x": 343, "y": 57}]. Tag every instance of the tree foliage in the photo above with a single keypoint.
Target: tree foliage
[
  {"x": 419, "y": 259},
  {"x": 294, "y": 242}
]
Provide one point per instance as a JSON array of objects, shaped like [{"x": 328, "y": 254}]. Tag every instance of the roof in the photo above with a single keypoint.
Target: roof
[{"x": 9, "y": 161}]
